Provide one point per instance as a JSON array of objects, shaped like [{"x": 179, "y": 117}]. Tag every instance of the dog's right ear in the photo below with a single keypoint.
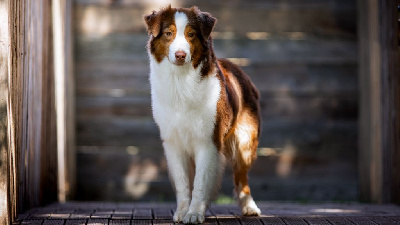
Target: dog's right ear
[{"x": 153, "y": 22}]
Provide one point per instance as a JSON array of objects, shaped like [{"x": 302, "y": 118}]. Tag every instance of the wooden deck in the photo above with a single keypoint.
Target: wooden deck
[{"x": 155, "y": 213}]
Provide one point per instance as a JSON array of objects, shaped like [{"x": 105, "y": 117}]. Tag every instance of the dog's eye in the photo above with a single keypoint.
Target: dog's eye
[
  {"x": 191, "y": 34},
  {"x": 168, "y": 33}
]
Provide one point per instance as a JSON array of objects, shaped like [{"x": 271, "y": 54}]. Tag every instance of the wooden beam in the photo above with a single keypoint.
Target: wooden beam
[
  {"x": 48, "y": 160},
  {"x": 379, "y": 84},
  {"x": 391, "y": 98},
  {"x": 5, "y": 201},
  {"x": 26, "y": 76},
  {"x": 369, "y": 137},
  {"x": 15, "y": 102},
  {"x": 64, "y": 89}
]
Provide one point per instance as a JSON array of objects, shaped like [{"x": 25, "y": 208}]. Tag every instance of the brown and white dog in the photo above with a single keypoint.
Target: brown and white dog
[{"x": 207, "y": 110}]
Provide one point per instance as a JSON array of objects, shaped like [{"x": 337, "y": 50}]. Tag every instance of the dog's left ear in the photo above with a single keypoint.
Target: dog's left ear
[{"x": 207, "y": 22}]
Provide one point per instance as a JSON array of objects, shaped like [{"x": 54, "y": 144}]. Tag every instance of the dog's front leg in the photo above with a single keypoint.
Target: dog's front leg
[
  {"x": 178, "y": 165},
  {"x": 207, "y": 171}
]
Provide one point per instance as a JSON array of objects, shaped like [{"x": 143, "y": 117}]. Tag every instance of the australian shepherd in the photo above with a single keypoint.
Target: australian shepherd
[{"x": 207, "y": 110}]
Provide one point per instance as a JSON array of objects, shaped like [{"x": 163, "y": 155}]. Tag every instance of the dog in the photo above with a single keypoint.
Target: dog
[{"x": 207, "y": 110}]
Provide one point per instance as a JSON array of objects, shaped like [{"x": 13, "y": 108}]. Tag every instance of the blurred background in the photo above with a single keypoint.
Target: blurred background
[{"x": 301, "y": 55}]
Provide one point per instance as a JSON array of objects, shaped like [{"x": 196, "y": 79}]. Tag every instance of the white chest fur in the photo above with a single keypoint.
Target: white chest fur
[{"x": 184, "y": 105}]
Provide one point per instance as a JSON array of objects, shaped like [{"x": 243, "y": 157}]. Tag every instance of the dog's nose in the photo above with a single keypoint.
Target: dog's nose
[{"x": 180, "y": 55}]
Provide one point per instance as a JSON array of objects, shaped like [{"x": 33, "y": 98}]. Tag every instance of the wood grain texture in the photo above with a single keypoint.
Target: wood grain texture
[
  {"x": 288, "y": 213},
  {"x": 30, "y": 141},
  {"x": 5, "y": 198},
  {"x": 369, "y": 126},
  {"x": 390, "y": 73},
  {"x": 36, "y": 89},
  {"x": 379, "y": 101},
  {"x": 64, "y": 97},
  {"x": 15, "y": 98},
  {"x": 48, "y": 160}
]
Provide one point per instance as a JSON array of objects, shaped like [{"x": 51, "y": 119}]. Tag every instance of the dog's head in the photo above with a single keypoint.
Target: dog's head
[{"x": 180, "y": 34}]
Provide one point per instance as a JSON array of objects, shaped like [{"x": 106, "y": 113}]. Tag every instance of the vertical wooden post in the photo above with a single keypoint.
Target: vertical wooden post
[
  {"x": 16, "y": 15},
  {"x": 391, "y": 100},
  {"x": 25, "y": 69},
  {"x": 5, "y": 209},
  {"x": 369, "y": 131},
  {"x": 63, "y": 71},
  {"x": 48, "y": 159},
  {"x": 396, "y": 152},
  {"x": 379, "y": 84}
]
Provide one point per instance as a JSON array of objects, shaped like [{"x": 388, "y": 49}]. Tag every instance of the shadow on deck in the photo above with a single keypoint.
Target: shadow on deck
[{"x": 155, "y": 213}]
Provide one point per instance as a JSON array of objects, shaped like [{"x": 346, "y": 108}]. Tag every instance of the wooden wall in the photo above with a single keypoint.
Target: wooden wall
[
  {"x": 302, "y": 55},
  {"x": 30, "y": 114}
]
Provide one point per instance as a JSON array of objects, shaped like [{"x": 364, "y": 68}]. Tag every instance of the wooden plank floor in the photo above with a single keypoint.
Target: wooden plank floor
[{"x": 156, "y": 213}]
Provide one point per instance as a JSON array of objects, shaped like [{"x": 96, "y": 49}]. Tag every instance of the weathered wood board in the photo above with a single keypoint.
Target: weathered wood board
[
  {"x": 379, "y": 126},
  {"x": 272, "y": 213},
  {"x": 5, "y": 202},
  {"x": 28, "y": 141}
]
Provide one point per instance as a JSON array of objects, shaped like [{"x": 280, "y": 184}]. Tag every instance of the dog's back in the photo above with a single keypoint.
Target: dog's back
[{"x": 245, "y": 127}]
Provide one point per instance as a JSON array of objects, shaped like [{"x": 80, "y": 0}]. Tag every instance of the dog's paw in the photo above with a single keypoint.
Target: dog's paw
[
  {"x": 193, "y": 218},
  {"x": 248, "y": 206},
  {"x": 251, "y": 210},
  {"x": 181, "y": 210},
  {"x": 179, "y": 215}
]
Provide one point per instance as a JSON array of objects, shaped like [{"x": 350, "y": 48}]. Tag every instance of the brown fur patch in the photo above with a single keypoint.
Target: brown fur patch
[
  {"x": 238, "y": 121},
  {"x": 201, "y": 44},
  {"x": 241, "y": 181},
  {"x": 227, "y": 108},
  {"x": 196, "y": 47},
  {"x": 249, "y": 93},
  {"x": 232, "y": 103},
  {"x": 158, "y": 25}
]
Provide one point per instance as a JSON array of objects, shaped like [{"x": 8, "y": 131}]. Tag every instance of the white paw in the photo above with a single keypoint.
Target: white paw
[
  {"x": 251, "y": 210},
  {"x": 249, "y": 207},
  {"x": 179, "y": 215},
  {"x": 181, "y": 210},
  {"x": 193, "y": 218}
]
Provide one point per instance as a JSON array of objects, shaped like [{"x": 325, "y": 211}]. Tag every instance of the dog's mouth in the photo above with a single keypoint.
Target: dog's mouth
[{"x": 179, "y": 62}]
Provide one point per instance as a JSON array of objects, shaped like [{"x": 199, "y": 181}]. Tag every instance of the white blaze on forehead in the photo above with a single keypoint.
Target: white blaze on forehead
[
  {"x": 180, "y": 43},
  {"x": 181, "y": 21}
]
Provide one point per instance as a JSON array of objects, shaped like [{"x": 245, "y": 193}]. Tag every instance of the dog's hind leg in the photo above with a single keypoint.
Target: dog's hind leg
[
  {"x": 246, "y": 202},
  {"x": 246, "y": 141}
]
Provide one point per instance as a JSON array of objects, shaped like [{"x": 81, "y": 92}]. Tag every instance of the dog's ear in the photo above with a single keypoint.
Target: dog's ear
[
  {"x": 153, "y": 21},
  {"x": 207, "y": 22}
]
